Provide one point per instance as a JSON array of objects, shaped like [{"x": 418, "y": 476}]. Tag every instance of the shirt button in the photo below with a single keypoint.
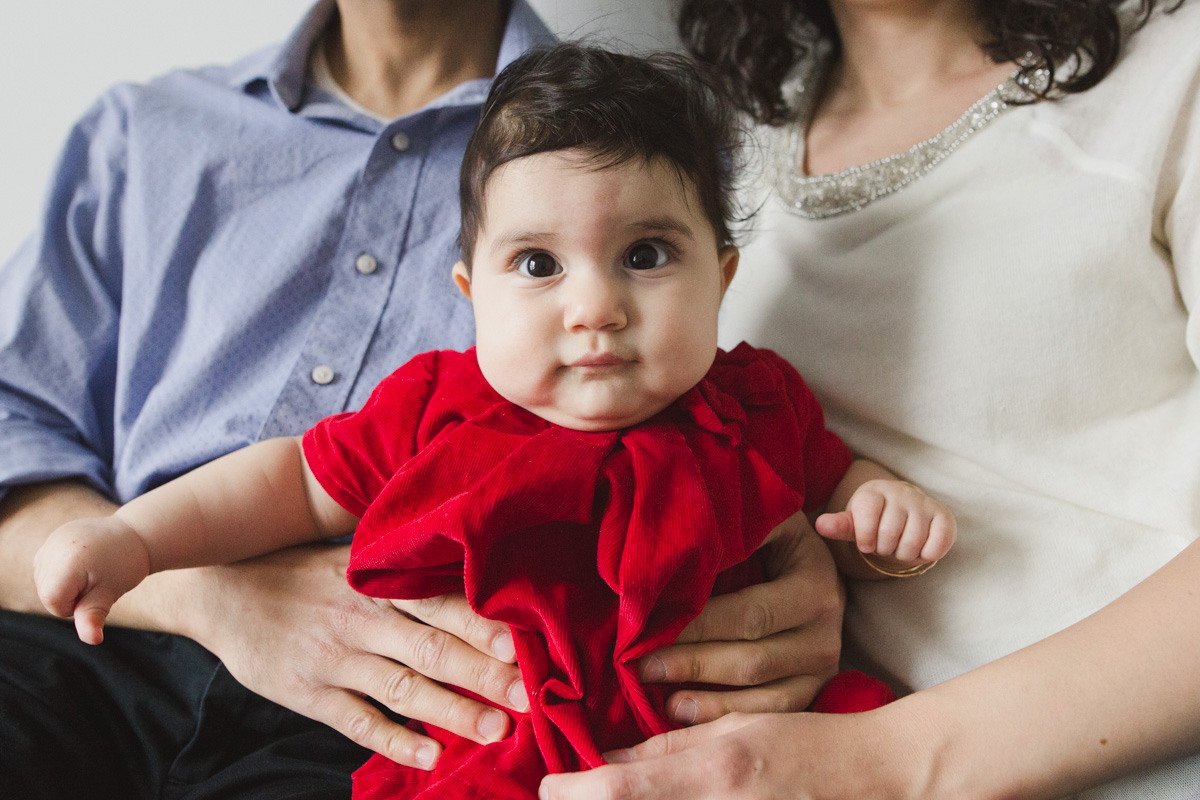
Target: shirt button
[
  {"x": 366, "y": 264},
  {"x": 322, "y": 375},
  {"x": 400, "y": 141}
]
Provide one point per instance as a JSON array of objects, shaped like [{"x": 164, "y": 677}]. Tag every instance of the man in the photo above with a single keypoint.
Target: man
[{"x": 230, "y": 254}]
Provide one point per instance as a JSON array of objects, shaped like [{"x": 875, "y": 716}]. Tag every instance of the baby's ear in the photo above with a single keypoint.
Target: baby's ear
[
  {"x": 729, "y": 264},
  {"x": 462, "y": 279}
]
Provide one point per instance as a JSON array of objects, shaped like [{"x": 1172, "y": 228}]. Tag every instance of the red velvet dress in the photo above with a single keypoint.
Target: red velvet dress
[{"x": 595, "y": 548}]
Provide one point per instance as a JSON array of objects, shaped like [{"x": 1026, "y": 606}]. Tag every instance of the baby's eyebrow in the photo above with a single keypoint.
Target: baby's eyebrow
[
  {"x": 529, "y": 238},
  {"x": 522, "y": 238},
  {"x": 662, "y": 224}
]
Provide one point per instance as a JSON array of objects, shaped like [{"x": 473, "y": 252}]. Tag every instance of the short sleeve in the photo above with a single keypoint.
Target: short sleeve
[
  {"x": 354, "y": 454},
  {"x": 60, "y": 316},
  {"x": 824, "y": 457}
]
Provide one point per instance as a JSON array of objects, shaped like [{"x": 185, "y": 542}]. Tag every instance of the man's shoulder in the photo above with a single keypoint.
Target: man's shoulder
[{"x": 190, "y": 87}]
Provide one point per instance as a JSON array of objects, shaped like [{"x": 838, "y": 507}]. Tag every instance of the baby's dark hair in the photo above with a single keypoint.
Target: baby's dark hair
[{"x": 611, "y": 108}]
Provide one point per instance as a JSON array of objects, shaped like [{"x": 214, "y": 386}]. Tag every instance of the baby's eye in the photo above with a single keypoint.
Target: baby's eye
[
  {"x": 538, "y": 265},
  {"x": 645, "y": 255}
]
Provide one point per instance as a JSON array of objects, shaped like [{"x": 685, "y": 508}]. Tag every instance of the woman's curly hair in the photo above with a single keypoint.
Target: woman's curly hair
[{"x": 754, "y": 44}]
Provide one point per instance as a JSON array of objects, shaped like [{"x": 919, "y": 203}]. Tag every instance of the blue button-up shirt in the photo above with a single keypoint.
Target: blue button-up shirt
[{"x": 228, "y": 254}]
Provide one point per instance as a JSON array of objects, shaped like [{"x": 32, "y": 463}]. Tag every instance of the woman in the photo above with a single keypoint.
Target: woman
[{"x": 1003, "y": 315}]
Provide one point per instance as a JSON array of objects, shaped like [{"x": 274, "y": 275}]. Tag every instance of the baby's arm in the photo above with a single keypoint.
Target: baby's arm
[
  {"x": 253, "y": 501},
  {"x": 875, "y": 518}
]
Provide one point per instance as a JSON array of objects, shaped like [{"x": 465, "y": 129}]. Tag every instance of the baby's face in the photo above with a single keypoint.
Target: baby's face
[{"x": 595, "y": 291}]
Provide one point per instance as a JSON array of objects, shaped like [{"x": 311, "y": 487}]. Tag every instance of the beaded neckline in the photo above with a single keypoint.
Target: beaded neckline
[{"x": 822, "y": 196}]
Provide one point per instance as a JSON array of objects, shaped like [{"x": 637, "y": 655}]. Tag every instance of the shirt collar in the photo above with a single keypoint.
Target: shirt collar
[{"x": 284, "y": 68}]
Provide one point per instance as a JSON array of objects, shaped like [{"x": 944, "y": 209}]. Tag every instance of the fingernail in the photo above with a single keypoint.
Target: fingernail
[
  {"x": 503, "y": 648},
  {"x": 686, "y": 712},
  {"x": 619, "y": 756},
  {"x": 654, "y": 670},
  {"x": 492, "y": 724},
  {"x": 426, "y": 755},
  {"x": 543, "y": 792},
  {"x": 518, "y": 698}
]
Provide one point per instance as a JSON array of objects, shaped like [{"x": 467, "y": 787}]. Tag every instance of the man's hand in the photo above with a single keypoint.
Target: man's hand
[
  {"x": 780, "y": 639},
  {"x": 289, "y": 628}
]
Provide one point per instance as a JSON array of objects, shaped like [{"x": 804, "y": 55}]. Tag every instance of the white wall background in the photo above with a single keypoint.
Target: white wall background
[{"x": 57, "y": 56}]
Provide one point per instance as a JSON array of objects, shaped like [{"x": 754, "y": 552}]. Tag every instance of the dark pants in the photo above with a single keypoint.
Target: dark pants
[{"x": 149, "y": 715}]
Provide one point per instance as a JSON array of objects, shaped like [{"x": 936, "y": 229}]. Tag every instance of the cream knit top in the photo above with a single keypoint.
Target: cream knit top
[{"x": 1018, "y": 332}]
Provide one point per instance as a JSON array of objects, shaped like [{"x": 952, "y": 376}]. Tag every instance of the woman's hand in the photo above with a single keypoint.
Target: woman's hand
[
  {"x": 1067, "y": 713},
  {"x": 780, "y": 639},
  {"x": 756, "y": 757},
  {"x": 290, "y": 628}
]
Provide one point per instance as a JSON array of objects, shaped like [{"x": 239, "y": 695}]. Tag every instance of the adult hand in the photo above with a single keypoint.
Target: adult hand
[
  {"x": 780, "y": 639},
  {"x": 290, "y": 628},
  {"x": 757, "y": 756}
]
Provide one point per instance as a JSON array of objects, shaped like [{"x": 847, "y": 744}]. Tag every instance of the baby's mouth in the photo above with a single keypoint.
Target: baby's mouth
[{"x": 600, "y": 360}]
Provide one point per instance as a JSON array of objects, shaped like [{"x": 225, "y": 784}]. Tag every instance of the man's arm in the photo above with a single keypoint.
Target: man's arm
[{"x": 289, "y": 627}]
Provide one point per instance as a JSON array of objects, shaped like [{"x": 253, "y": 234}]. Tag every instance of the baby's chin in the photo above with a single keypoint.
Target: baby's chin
[{"x": 598, "y": 420}]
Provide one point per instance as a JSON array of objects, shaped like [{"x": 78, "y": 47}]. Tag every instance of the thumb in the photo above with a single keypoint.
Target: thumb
[
  {"x": 89, "y": 621},
  {"x": 838, "y": 525},
  {"x": 679, "y": 740}
]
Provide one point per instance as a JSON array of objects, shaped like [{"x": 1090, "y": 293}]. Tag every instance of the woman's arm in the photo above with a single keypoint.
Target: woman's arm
[{"x": 1111, "y": 694}]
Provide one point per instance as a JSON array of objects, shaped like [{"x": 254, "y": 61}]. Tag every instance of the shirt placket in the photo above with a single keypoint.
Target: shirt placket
[{"x": 362, "y": 279}]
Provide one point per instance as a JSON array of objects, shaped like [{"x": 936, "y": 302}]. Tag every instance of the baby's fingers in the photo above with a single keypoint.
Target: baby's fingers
[
  {"x": 836, "y": 525},
  {"x": 867, "y": 509},
  {"x": 942, "y": 532},
  {"x": 915, "y": 536},
  {"x": 59, "y": 584},
  {"x": 90, "y": 608},
  {"x": 65, "y": 592},
  {"x": 59, "y": 597},
  {"x": 882, "y": 531},
  {"x": 89, "y": 623}
]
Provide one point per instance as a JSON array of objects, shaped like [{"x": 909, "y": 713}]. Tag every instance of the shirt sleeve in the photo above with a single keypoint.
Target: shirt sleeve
[
  {"x": 59, "y": 316},
  {"x": 1180, "y": 190},
  {"x": 353, "y": 455},
  {"x": 824, "y": 457}
]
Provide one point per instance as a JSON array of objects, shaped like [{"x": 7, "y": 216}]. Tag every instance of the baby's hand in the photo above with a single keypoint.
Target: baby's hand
[
  {"x": 895, "y": 520},
  {"x": 84, "y": 566}
]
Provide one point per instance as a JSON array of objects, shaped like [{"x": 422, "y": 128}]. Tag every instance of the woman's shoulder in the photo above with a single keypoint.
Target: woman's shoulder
[
  {"x": 1167, "y": 43},
  {"x": 1172, "y": 19},
  {"x": 1161, "y": 54},
  {"x": 1152, "y": 90}
]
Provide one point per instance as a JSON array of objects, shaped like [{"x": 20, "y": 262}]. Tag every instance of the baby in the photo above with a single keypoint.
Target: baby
[{"x": 590, "y": 473}]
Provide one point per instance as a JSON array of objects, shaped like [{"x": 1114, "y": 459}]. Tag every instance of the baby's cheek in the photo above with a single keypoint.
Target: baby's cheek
[{"x": 524, "y": 382}]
